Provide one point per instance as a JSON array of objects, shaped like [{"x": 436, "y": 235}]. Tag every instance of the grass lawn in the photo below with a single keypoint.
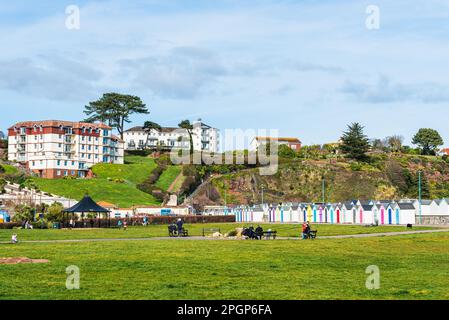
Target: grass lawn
[
  {"x": 168, "y": 176},
  {"x": 135, "y": 171},
  {"x": 284, "y": 230},
  {"x": 9, "y": 169},
  {"x": 411, "y": 267}
]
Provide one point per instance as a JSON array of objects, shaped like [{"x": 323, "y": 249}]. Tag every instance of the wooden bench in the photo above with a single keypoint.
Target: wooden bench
[
  {"x": 172, "y": 232},
  {"x": 269, "y": 234},
  {"x": 210, "y": 230},
  {"x": 312, "y": 234}
]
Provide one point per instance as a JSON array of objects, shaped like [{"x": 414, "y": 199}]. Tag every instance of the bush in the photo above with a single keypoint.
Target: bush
[
  {"x": 232, "y": 233},
  {"x": 10, "y": 225},
  {"x": 446, "y": 158},
  {"x": 356, "y": 166}
]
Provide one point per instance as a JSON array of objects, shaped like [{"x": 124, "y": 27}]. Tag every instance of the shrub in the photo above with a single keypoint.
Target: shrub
[{"x": 356, "y": 166}]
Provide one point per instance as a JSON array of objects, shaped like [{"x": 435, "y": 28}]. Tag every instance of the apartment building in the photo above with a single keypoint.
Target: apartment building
[
  {"x": 205, "y": 138},
  {"x": 292, "y": 143},
  {"x": 55, "y": 149}
]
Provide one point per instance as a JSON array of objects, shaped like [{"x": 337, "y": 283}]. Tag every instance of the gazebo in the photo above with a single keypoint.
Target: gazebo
[{"x": 87, "y": 205}]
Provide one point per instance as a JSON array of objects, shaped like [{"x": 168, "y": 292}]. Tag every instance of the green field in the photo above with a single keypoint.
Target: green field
[
  {"x": 411, "y": 267},
  {"x": 284, "y": 230},
  {"x": 9, "y": 169},
  {"x": 104, "y": 187},
  {"x": 168, "y": 176}
]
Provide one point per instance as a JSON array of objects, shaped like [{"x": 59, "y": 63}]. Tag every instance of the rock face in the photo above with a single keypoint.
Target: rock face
[{"x": 21, "y": 260}]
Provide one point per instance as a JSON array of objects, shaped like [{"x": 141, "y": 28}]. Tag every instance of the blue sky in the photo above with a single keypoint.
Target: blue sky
[{"x": 307, "y": 68}]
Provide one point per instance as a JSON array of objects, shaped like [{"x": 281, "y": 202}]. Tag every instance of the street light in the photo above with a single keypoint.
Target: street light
[
  {"x": 324, "y": 190},
  {"x": 420, "y": 196}
]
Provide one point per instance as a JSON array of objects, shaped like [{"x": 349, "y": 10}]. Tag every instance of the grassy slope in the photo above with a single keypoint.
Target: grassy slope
[
  {"x": 9, "y": 169},
  {"x": 125, "y": 194},
  {"x": 168, "y": 176},
  {"x": 411, "y": 267},
  {"x": 284, "y": 230}
]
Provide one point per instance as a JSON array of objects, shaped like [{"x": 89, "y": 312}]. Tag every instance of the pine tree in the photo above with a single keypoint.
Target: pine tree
[{"x": 354, "y": 142}]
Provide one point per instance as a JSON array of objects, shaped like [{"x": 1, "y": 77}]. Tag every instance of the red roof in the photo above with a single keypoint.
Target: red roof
[
  {"x": 290, "y": 140},
  {"x": 445, "y": 151},
  {"x": 58, "y": 123}
]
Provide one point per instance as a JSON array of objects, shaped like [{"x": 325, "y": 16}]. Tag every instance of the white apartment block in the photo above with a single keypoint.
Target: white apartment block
[
  {"x": 55, "y": 149},
  {"x": 205, "y": 138}
]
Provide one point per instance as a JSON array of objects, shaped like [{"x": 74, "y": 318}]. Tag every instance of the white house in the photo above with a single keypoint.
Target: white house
[{"x": 205, "y": 138}]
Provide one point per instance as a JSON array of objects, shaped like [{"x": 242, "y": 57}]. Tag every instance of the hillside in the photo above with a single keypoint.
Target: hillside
[
  {"x": 113, "y": 183},
  {"x": 384, "y": 177}
]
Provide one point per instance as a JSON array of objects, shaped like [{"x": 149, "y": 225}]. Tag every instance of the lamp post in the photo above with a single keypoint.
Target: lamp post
[
  {"x": 323, "y": 187},
  {"x": 262, "y": 195},
  {"x": 420, "y": 196}
]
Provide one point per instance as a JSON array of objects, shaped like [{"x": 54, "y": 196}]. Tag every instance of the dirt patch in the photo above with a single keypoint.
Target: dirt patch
[{"x": 21, "y": 260}]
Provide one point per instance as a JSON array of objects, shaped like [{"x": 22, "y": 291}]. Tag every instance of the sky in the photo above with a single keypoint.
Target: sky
[{"x": 306, "y": 68}]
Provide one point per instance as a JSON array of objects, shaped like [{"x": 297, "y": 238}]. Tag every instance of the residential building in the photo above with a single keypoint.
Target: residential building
[
  {"x": 205, "y": 138},
  {"x": 292, "y": 143},
  {"x": 55, "y": 149}
]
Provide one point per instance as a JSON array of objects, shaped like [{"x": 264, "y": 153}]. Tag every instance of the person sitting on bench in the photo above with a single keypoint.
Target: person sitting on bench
[
  {"x": 305, "y": 230},
  {"x": 259, "y": 233}
]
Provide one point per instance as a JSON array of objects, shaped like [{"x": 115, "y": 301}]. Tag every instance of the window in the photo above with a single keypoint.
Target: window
[
  {"x": 90, "y": 148},
  {"x": 59, "y": 145},
  {"x": 65, "y": 163},
  {"x": 33, "y": 163},
  {"x": 82, "y": 147},
  {"x": 73, "y": 163},
  {"x": 58, "y": 163},
  {"x": 89, "y": 156},
  {"x": 73, "y": 172},
  {"x": 58, "y": 173},
  {"x": 82, "y": 138},
  {"x": 66, "y": 173},
  {"x": 82, "y": 155}
]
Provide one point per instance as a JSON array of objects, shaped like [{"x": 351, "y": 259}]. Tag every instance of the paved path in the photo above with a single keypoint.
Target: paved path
[{"x": 198, "y": 238}]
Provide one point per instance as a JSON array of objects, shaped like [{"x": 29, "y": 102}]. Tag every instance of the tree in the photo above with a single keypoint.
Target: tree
[
  {"x": 378, "y": 144},
  {"x": 428, "y": 140},
  {"x": 286, "y": 152},
  {"x": 354, "y": 143},
  {"x": 188, "y": 127},
  {"x": 147, "y": 127},
  {"x": 115, "y": 110},
  {"x": 395, "y": 142},
  {"x": 54, "y": 212}
]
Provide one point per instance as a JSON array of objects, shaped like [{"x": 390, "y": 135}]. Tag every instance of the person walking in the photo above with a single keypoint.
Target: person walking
[
  {"x": 14, "y": 239},
  {"x": 119, "y": 224},
  {"x": 125, "y": 225}
]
